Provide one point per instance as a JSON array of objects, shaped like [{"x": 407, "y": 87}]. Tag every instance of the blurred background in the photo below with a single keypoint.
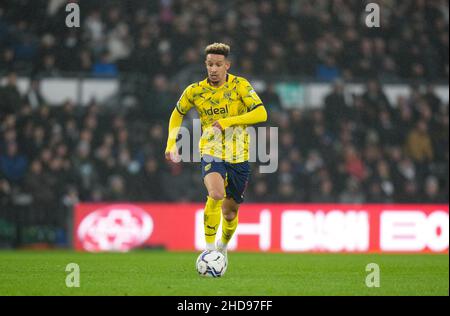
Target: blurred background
[{"x": 362, "y": 112}]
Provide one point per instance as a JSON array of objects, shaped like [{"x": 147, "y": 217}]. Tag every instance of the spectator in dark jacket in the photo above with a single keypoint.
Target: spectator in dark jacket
[
  {"x": 12, "y": 164},
  {"x": 336, "y": 108},
  {"x": 10, "y": 99},
  {"x": 34, "y": 97}
]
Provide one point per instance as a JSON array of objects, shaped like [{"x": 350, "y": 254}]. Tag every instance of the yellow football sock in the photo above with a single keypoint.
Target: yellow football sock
[
  {"x": 211, "y": 221},
  {"x": 228, "y": 229}
]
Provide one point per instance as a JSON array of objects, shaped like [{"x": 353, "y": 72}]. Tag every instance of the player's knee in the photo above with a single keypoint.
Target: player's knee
[
  {"x": 229, "y": 216},
  {"x": 217, "y": 195}
]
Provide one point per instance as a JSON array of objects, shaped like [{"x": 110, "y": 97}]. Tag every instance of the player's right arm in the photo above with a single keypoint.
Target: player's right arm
[{"x": 176, "y": 119}]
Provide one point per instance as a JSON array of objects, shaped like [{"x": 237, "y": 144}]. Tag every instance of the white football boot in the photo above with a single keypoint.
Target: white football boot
[{"x": 222, "y": 248}]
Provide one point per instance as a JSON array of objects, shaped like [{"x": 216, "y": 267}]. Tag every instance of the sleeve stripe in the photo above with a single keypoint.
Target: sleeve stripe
[
  {"x": 180, "y": 111},
  {"x": 256, "y": 106}
]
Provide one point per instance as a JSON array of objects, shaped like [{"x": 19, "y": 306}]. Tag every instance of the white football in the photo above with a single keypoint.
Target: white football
[{"x": 211, "y": 264}]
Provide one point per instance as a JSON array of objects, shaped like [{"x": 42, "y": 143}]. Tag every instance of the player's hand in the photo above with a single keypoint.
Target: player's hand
[
  {"x": 172, "y": 156},
  {"x": 217, "y": 125}
]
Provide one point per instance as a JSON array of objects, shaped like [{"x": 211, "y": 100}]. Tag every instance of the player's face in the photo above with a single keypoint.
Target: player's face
[{"x": 217, "y": 66}]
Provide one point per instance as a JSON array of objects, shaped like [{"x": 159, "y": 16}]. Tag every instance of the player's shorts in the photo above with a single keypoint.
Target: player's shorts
[{"x": 236, "y": 175}]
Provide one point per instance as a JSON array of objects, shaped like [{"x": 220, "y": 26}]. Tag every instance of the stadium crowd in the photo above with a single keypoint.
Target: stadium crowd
[
  {"x": 353, "y": 150},
  {"x": 321, "y": 39},
  {"x": 366, "y": 150}
]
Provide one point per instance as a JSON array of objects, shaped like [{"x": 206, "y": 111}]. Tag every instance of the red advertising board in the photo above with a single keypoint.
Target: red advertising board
[{"x": 267, "y": 227}]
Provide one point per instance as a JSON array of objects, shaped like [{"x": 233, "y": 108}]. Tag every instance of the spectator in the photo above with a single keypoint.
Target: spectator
[
  {"x": 432, "y": 192},
  {"x": 375, "y": 97},
  {"x": 34, "y": 97},
  {"x": 12, "y": 164},
  {"x": 382, "y": 187},
  {"x": 336, "y": 108},
  {"x": 40, "y": 184},
  {"x": 286, "y": 193},
  {"x": 409, "y": 193},
  {"x": 10, "y": 98},
  {"x": 353, "y": 193},
  {"x": 7, "y": 57},
  {"x": 104, "y": 67},
  {"x": 376, "y": 195},
  {"x": 158, "y": 102},
  {"x": 48, "y": 67},
  {"x": 260, "y": 193},
  {"x": 354, "y": 165},
  {"x": 116, "y": 189},
  {"x": 5, "y": 193},
  {"x": 271, "y": 99},
  {"x": 147, "y": 186},
  {"x": 325, "y": 193},
  {"x": 418, "y": 144},
  {"x": 328, "y": 71}
]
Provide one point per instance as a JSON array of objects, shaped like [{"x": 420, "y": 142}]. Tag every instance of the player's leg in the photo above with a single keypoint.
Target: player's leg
[
  {"x": 237, "y": 180},
  {"x": 215, "y": 185},
  {"x": 230, "y": 209}
]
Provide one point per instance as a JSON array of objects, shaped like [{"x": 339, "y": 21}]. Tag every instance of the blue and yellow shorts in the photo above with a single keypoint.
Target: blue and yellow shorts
[{"x": 236, "y": 175}]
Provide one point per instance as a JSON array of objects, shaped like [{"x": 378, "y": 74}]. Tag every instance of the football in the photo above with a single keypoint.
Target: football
[{"x": 211, "y": 264}]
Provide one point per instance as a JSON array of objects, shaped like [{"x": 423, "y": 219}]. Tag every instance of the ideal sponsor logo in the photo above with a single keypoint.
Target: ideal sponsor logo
[{"x": 216, "y": 111}]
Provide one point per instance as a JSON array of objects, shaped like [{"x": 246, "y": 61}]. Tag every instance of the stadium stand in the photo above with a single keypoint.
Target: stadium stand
[{"x": 366, "y": 149}]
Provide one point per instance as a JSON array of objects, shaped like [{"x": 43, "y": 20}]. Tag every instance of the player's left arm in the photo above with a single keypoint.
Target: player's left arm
[
  {"x": 256, "y": 112},
  {"x": 258, "y": 115}
]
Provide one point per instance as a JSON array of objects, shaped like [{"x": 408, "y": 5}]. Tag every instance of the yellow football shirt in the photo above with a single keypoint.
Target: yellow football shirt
[{"x": 235, "y": 97}]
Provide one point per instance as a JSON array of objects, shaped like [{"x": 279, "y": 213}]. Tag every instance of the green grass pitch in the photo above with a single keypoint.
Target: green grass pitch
[{"x": 164, "y": 273}]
